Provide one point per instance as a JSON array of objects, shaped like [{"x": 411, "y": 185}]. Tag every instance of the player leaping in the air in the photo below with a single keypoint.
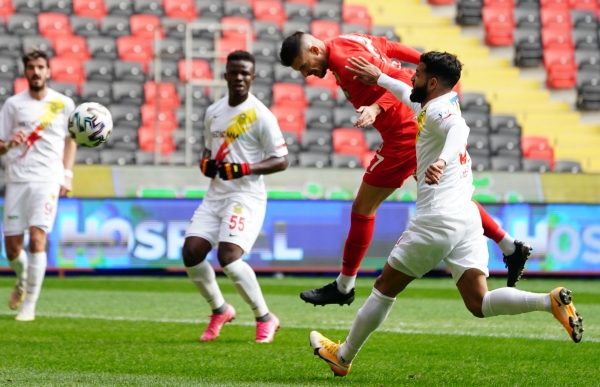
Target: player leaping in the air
[
  {"x": 395, "y": 159},
  {"x": 243, "y": 142},
  {"x": 447, "y": 224}
]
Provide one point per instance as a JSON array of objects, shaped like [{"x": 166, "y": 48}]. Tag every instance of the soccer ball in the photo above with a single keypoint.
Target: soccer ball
[{"x": 90, "y": 124}]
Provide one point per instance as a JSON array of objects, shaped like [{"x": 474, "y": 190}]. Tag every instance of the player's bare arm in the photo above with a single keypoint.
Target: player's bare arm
[
  {"x": 270, "y": 165},
  {"x": 434, "y": 173},
  {"x": 17, "y": 139},
  {"x": 364, "y": 71},
  {"x": 68, "y": 161}
]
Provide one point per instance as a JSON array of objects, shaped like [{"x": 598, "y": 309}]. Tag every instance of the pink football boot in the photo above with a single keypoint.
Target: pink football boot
[
  {"x": 265, "y": 331},
  {"x": 216, "y": 323}
]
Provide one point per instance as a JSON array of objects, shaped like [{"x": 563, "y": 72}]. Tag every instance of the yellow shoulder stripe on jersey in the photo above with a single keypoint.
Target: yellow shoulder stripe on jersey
[{"x": 420, "y": 123}]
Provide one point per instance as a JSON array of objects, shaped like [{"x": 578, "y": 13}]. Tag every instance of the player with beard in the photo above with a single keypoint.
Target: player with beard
[
  {"x": 243, "y": 142},
  {"x": 447, "y": 225},
  {"x": 395, "y": 159},
  {"x": 39, "y": 160}
]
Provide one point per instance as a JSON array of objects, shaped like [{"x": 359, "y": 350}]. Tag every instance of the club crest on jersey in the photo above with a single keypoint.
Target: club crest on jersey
[{"x": 237, "y": 209}]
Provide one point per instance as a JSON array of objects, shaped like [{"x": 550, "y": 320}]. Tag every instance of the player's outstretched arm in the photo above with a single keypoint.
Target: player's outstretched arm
[
  {"x": 402, "y": 52},
  {"x": 68, "y": 162}
]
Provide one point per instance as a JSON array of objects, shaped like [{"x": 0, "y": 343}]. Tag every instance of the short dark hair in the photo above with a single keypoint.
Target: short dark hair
[
  {"x": 444, "y": 66},
  {"x": 33, "y": 53},
  {"x": 290, "y": 48},
  {"x": 241, "y": 55}
]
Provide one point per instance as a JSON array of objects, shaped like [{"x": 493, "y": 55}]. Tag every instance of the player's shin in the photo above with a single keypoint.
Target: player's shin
[
  {"x": 203, "y": 277},
  {"x": 507, "y": 301},
  {"x": 19, "y": 266},
  {"x": 357, "y": 243},
  {"x": 370, "y": 317},
  {"x": 36, "y": 270},
  {"x": 244, "y": 280}
]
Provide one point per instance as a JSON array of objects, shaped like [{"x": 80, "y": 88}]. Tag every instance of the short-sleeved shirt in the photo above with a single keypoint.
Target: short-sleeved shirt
[
  {"x": 40, "y": 158},
  {"x": 246, "y": 133}
]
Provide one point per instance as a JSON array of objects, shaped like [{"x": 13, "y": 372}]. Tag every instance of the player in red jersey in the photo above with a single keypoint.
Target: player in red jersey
[{"x": 395, "y": 159}]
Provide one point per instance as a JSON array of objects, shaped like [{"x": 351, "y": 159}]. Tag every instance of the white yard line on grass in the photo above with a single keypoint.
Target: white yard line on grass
[{"x": 296, "y": 326}]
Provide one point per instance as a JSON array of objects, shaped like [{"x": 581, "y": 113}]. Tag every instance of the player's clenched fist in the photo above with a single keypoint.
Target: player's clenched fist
[
  {"x": 434, "y": 172},
  {"x": 230, "y": 171},
  {"x": 208, "y": 167},
  {"x": 17, "y": 139}
]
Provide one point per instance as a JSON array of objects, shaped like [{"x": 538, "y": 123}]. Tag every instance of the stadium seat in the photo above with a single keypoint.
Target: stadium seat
[
  {"x": 505, "y": 163},
  {"x": 144, "y": 26},
  {"x": 289, "y": 94},
  {"x": 266, "y": 31},
  {"x": 505, "y": 145},
  {"x": 210, "y": 8},
  {"x": 169, "y": 71},
  {"x": 588, "y": 90},
  {"x": 32, "y": 7},
  {"x": 148, "y": 7},
  {"x": 264, "y": 74},
  {"x": 167, "y": 95},
  {"x": 349, "y": 141},
  {"x": 317, "y": 141},
  {"x": 89, "y": 8},
  {"x": 557, "y": 38},
  {"x": 6, "y": 89},
  {"x": 196, "y": 118},
  {"x": 477, "y": 121},
  {"x": 184, "y": 9},
  {"x": 39, "y": 42},
  {"x": 355, "y": 29},
  {"x": 66, "y": 88},
  {"x": 345, "y": 161},
  {"x": 527, "y": 18},
  {"x": 201, "y": 46},
  {"x": 498, "y": 24},
  {"x": 238, "y": 8},
  {"x": 119, "y": 7},
  {"x": 554, "y": 4},
  {"x": 584, "y": 38},
  {"x": 319, "y": 97},
  {"x": 560, "y": 68},
  {"x": 225, "y": 46},
  {"x": 123, "y": 139},
  {"x": 313, "y": 160},
  {"x": 291, "y": 26},
  {"x": 87, "y": 156},
  {"x": 54, "y": 25},
  {"x": 263, "y": 93},
  {"x": 116, "y": 157},
  {"x": 474, "y": 102},
  {"x": 125, "y": 116},
  {"x": 150, "y": 114},
  {"x": 174, "y": 28},
  {"x": 290, "y": 119},
  {"x": 102, "y": 47},
  {"x": 131, "y": 48},
  {"x": 265, "y": 51},
  {"x": 584, "y": 19},
  {"x": 84, "y": 26},
  {"x": 297, "y": 12},
  {"x": 67, "y": 70},
  {"x": 327, "y": 11},
  {"x": 307, "y": 2},
  {"x": 237, "y": 27},
  {"x": 61, "y": 6},
  {"x": 171, "y": 49},
  {"x": 555, "y": 17},
  {"x": 129, "y": 71},
  {"x": 147, "y": 139},
  {"x": 535, "y": 165},
  {"x": 318, "y": 118},
  {"x": 200, "y": 69},
  {"x": 478, "y": 144},
  {"x": 480, "y": 163},
  {"x": 11, "y": 46},
  {"x": 356, "y": 14},
  {"x": 567, "y": 166},
  {"x": 144, "y": 158},
  {"x": 530, "y": 4},
  {"x": 289, "y": 75},
  {"x": 269, "y": 10},
  {"x": 128, "y": 93},
  {"x": 505, "y": 124},
  {"x": 373, "y": 139},
  {"x": 528, "y": 47},
  {"x": 545, "y": 154},
  {"x": 6, "y": 8},
  {"x": 588, "y": 60},
  {"x": 115, "y": 26},
  {"x": 8, "y": 68},
  {"x": 324, "y": 29},
  {"x": 96, "y": 91},
  {"x": 22, "y": 25},
  {"x": 468, "y": 12},
  {"x": 344, "y": 117},
  {"x": 328, "y": 82},
  {"x": 73, "y": 47},
  {"x": 584, "y": 5},
  {"x": 292, "y": 141},
  {"x": 200, "y": 97}
]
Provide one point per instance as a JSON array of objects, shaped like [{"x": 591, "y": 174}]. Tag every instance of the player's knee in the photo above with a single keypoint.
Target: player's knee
[
  {"x": 37, "y": 240},
  {"x": 474, "y": 307},
  {"x": 192, "y": 253},
  {"x": 383, "y": 286}
]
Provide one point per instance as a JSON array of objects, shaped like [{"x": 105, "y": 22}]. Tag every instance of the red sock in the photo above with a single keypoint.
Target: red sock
[
  {"x": 357, "y": 243},
  {"x": 491, "y": 229}
]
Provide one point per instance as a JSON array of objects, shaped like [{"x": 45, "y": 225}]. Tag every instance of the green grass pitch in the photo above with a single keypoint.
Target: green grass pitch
[{"x": 97, "y": 331}]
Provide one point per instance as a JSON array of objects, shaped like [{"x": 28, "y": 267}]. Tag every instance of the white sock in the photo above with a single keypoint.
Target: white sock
[
  {"x": 345, "y": 283},
  {"x": 36, "y": 270},
  {"x": 370, "y": 317},
  {"x": 507, "y": 245},
  {"x": 203, "y": 277},
  {"x": 19, "y": 265},
  {"x": 244, "y": 280},
  {"x": 505, "y": 301}
]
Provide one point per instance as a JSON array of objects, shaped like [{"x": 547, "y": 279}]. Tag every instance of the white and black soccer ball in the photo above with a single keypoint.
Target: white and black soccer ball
[{"x": 90, "y": 124}]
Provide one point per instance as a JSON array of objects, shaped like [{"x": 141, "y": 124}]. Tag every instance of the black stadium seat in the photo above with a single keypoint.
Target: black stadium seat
[
  {"x": 527, "y": 18},
  {"x": 128, "y": 92},
  {"x": 116, "y": 157},
  {"x": 123, "y": 139},
  {"x": 152, "y": 7},
  {"x": 505, "y": 145},
  {"x": 129, "y": 71},
  {"x": 96, "y": 91},
  {"x": 533, "y": 165},
  {"x": 386, "y": 31},
  {"x": 39, "y": 42},
  {"x": 344, "y": 117},
  {"x": 171, "y": 48},
  {"x": 291, "y": 140},
  {"x": 506, "y": 163},
  {"x": 288, "y": 74},
  {"x": 505, "y": 124},
  {"x": 354, "y": 29},
  {"x": 312, "y": 159},
  {"x": 480, "y": 163},
  {"x": 263, "y": 93},
  {"x": 266, "y": 30},
  {"x": 200, "y": 97},
  {"x": 125, "y": 116},
  {"x": 474, "y": 102},
  {"x": 11, "y": 46},
  {"x": 265, "y": 51},
  {"x": 102, "y": 47},
  {"x": 196, "y": 117},
  {"x": 584, "y": 38},
  {"x": 567, "y": 166},
  {"x": 168, "y": 70},
  {"x": 528, "y": 47},
  {"x": 66, "y": 88},
  {"x": 477, "y": 121},
  {"x": 8, "y": 68},
  {"x": 119, "y": 7},
  {"x": 6, "y": 90},
  {"x": 289, "y": 27},
  {"x": 298, "y": 12},
  {"x": 174, "y": 28},
  {"x": 32, "y": 7},
  {"x": 588, "y": 60},
  {"x": 327, "y": 11},
  {"x": 115, "y": 26},
  {"x": 319, "y": 97},
  {"x": 98, "y": 70},
  {"x": 479, "y": 144},
  {"x": 210, "y": 8},
  {"x": 468, "y": 12},
  {"x": 317, "y": 141},
  {"x": 318, "y": 118},
  {"x": 584, "y": 19},
  {"x": 588, "y": 90},
  {"x": 345, "y": 161},
  {"x": 58, "y": 6},
  {"x": 238, "y": 8},
  {"x": 373, "y": 139},
  {"x": 22, "y": 25},
  {"x": 84, "y": 26},
  {"x": 87, "y": 156}
]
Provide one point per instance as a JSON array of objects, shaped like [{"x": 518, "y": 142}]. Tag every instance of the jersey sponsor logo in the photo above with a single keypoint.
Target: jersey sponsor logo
[
  {"x": 13, "y": 217},
  {"x": 238, "y": 125}
]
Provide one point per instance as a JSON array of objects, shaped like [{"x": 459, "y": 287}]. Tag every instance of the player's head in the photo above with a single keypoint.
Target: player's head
[
  {"x": 239, "y": 73},
  {"x": 438, "y": 72},
  {"x": 37, "y": 72},
  {"x": 305, "y": 53}
]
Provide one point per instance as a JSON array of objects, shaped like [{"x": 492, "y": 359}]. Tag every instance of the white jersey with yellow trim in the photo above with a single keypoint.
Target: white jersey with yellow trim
[
  {"x": 246, "y": 133},
  {"x": 40, "y": 158}
]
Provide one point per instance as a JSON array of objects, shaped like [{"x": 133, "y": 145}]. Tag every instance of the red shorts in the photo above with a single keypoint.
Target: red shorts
[{"x": 391, "y": 171}]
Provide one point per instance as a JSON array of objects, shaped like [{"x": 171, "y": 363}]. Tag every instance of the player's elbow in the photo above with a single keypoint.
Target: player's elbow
[{"x": 284, "y": 162}]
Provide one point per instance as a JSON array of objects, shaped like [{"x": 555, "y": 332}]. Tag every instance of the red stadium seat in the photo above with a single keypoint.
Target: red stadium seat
[
  {"x": 89, "y": 8},
  {"x": 150, "y": 114},
  {"x": 307, "y": 2},
  {"x": 144, "y": 26},
  {"x": 134, "y": 49},
  {"x": 73, "y": 47},
  {"x": 534, "y": 143},
  {"x": 441, "y": 2},
  {"x": 324, "y": 29},
  {"x": 227, "y": 46},
  {"x": 182, "y": 9},
  {"x": 269, "y": 10},
  {"x": 237, "y": 23},
  {"x": 561, "y": 69},
  {"x": 290, "y": 119},
  {"x": 289, "y": 95},
  {"x": 67, "y": 70},
  {"x": 499, "y": 25},
  {"x": 546, "y": 155},
  {"x": 557, "y": 38},
  {"x": 349, "y": 141},
  {"x": 6, "y": 8},
  {"x": 200, "y": 69},
  {"x": 555, "y": 4},
  {"x": 167, "y": 96},
  {"x": 499, "y": 3},
  {"x": 555, "y": 17},
  {"x": 20, "y": 84},
  {"x": 357, "y": 14},
  {"x": 585, "y": 5},
  {"x": 366, "y": 159},
  {"x": 52, "y": 25},
  {"x": 328, "y": 82},
  {"x": 147, "y": 138}
]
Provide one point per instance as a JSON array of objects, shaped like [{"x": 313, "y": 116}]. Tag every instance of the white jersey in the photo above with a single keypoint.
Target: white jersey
[
  {"x": 246, "y": 133},
  {"x": 434, "y": 120},
  {"x": 40, "y": 158}
]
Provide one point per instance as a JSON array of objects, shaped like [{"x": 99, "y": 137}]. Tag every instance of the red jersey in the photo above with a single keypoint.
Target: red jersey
[{"x": 395, "y": 123}]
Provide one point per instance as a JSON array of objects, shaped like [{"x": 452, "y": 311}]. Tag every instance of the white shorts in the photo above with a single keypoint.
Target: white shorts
[
  {"x": 456, "y": 238},
  {"x": 30, "y": 205},
  {"x": 233, "y": 220}
]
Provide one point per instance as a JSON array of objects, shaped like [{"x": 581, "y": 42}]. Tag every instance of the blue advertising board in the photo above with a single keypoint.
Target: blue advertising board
[{"x": 300, "y": 235}]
